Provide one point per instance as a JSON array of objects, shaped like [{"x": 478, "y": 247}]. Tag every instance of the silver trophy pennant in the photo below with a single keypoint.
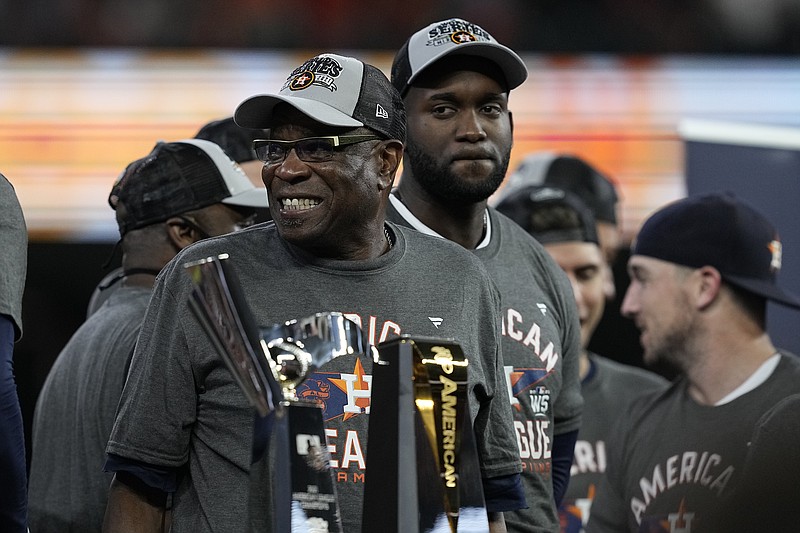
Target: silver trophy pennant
[
  {"x": 297, "y": 349},
  {"x": 269, "y": 364}
]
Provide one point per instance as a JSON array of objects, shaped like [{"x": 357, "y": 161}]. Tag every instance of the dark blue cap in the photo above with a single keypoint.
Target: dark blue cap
[{"x": 721, "y": 231}]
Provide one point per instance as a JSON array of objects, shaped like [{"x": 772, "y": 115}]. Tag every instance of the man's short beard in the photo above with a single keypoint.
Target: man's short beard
[
  {"x": 676, "y": 350},
  {"x": 446, "y": 186}
]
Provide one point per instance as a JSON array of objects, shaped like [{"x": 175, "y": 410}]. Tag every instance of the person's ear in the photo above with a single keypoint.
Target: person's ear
[
  {"x": 708, "y": 286},
  {"x": 511, "y": 122},
  {"x": 179, "y": 233},
  {"x": 390, "y": 156}
]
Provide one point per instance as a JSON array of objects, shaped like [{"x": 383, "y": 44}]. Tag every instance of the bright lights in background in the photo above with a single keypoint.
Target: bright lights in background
[{"x": 70, "y": 121}]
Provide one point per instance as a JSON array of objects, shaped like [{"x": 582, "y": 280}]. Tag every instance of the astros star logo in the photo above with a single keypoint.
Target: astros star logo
[
  {"x": 362, "y": 401},
  {"x": 776, "y": 250},
  {"x": 302, "y": 81},
  {"x": 461, "y": 37}
]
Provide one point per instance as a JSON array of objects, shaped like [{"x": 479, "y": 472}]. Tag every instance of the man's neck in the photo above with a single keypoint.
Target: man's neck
[
  {"x": 463, "y": 224},
  {"x": 725, "y": 366}
]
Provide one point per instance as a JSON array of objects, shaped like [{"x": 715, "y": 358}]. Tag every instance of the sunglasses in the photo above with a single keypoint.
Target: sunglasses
[{"x": 310, "y": 149}]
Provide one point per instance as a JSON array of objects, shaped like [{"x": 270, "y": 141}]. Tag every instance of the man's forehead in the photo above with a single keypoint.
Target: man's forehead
[
  {"x": 287, "y": 117},
  {"x": 288, "y": 120},
  {"x": 585, "y": 252},
  {"x": 445, "y": 69},
  {"x": 643, "y": 263}
]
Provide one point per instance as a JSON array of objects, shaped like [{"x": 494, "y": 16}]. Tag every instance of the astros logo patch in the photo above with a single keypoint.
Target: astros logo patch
[
  {"x": 301, "y": 81},
  {"x": 461, "y": 37},
  {"x": 776, "y": 250},
  {"x": 320, "y": 71}
]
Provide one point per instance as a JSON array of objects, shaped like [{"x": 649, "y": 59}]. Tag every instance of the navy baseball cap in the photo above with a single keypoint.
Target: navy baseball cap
[
  {"x": 177, "y": 177},
  {"x": 721, "y": 231},
  {"x": 451, "y": 37},
  {"x": 334, "y": 90},
  {"x": 550, "y": 214},
  {"x": 570, "y": 173}
]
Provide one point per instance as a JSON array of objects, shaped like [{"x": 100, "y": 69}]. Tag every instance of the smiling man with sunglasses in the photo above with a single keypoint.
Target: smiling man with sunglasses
[{"x": 336, "y": 133}]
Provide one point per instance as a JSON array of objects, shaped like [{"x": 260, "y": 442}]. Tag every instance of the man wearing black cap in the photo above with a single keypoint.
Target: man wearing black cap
[
  {"x": 702, "y": 269},
  {"x": 574, "y": 174},
  {"x": 455, "y": 79},
  {"x": 565, "y": 226},
  {"x": 178, "y": 194},
  {"x": 236, "y": 142},
  {"x": 336, "y": 130}
]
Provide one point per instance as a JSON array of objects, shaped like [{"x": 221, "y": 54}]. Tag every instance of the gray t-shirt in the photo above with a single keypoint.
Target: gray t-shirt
[
  {"x": 765, "y": 499},
  {"x": 182, "y": 408},
  {"x": 673, "y": 461},
  {"x": 608, "y": 390},
  {"x": 541, "y": 349},
  {"x": 74, "y": 415},
  {"x": 14, "y": 255}
]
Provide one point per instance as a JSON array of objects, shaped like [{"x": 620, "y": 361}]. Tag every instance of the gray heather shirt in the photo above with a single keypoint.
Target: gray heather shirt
[{"x": 182, "y": 408}]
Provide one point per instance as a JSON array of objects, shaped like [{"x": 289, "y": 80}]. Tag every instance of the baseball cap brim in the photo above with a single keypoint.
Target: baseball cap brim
[
  {"x": 764, "y": 288},
  {"x": 256, "y": 111},
  {"x": 509, "y": 62},
  {"x": 256, "y": 197},
  {"x": 241, "y": 189}
]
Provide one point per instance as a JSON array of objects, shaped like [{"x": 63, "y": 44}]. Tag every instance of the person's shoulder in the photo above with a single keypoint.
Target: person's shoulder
[
  {"x": 9, "y": 203},
  {"x": 628, "y": 374},
  {"x": 512, "y": 230},
  {"x": 236, "y": 245},
  {"x": 229, "y": 242},
  {"x": 435, "y": 253},
  {"x": 790, "y": 360},
  {"x": 514, "y": 237},
  {"x": 6, "y": 188},
  {"x": 434, "y": 247}
]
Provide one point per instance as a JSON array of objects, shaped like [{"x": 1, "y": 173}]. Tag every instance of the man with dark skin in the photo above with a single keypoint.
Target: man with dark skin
[
  {"x": 455, "y": 79},
  {"x": 336, "y": 133},
  {"x": 178, "y": 194}
]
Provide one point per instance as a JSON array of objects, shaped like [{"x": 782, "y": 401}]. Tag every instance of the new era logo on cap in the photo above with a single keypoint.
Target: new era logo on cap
[{"x": 380, "y": 112}]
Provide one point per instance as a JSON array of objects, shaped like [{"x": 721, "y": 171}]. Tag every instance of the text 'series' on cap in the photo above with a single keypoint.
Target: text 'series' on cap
[
  {"x": 334, "y": 90},
  {"x": 453, "y": 37}
]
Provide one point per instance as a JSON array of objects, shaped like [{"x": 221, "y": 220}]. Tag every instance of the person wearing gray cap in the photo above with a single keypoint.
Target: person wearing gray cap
[
  {"x": 336, "y": 133},
  {"x": 702, "y": 269},
  {"x": 455, "y": 79},
  {"x": 179, "y": 193}
]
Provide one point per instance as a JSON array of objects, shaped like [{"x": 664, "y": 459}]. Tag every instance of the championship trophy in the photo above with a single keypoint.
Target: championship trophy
[
  {"x": 422, "y": 472},
  {"x": 269, "y": 366}
]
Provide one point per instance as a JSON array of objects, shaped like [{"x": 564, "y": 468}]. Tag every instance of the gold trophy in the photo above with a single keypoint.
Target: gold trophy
[{"x": 422, "y": 465}]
